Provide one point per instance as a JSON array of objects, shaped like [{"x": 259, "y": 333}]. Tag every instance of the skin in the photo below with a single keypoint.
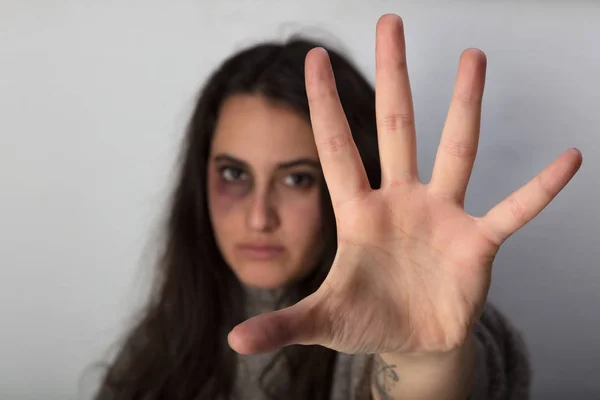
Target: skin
[
  {"x": 264, "y": 187},
  {"x": 413, "y": 270}
]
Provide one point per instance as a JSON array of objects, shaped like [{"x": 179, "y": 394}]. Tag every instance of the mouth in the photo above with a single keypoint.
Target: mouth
[{"x": 260, "y": 251}]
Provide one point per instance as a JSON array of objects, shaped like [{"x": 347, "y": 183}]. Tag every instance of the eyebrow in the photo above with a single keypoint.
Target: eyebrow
[{"x": 282, "y": 165}]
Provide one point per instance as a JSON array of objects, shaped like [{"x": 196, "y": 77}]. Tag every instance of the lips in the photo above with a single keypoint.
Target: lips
[{"x": 260, "y": 251}]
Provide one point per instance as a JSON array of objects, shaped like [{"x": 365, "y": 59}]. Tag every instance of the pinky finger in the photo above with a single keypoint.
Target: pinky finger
[{"x": 526, "y": 203}]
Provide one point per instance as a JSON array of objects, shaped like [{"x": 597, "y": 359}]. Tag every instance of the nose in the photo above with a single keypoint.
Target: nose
[{"x": 262, "y": 216}]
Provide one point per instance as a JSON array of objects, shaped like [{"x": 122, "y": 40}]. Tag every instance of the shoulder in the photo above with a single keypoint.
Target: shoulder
[
  {"x": 504, "y": 370},
  {"x": 351, "y": 377}
]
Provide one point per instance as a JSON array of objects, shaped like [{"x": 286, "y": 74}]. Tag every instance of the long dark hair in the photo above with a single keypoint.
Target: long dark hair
[{"x": 178, "y": 349}]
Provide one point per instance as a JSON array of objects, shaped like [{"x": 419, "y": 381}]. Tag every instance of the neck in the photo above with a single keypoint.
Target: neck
[{"x": 260, "y": 300}]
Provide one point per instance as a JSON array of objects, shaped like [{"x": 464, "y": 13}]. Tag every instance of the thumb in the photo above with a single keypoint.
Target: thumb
[{"x": 298, "y": 324}]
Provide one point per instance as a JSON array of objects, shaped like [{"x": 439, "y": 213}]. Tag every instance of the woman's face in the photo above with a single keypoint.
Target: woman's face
[{"x": 264, "y": 190}]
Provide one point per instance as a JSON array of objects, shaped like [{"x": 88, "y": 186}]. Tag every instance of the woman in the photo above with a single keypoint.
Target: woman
[{"x": 305, "y": 260}]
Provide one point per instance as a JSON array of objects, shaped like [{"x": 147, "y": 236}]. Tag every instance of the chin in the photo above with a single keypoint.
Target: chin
[{"x": 262, "y": 282}]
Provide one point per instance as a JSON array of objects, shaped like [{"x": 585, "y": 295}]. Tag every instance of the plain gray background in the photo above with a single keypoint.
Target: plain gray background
[{"x": 94, "y": 97}]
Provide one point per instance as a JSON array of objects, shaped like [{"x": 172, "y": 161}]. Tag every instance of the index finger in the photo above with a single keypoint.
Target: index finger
[{"x": 342, "y": 166}]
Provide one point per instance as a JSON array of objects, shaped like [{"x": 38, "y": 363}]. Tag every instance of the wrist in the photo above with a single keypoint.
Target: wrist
[{"x": 448, "y": 376}]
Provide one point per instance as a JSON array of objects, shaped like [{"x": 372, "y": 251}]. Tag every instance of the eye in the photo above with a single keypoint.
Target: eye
[
  {"x": 301, "y": 180},
  {"x": 232, "y": 174}
]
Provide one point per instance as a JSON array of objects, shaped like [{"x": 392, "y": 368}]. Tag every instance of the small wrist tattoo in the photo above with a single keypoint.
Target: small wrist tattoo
[{"x": 384, "y": 377}]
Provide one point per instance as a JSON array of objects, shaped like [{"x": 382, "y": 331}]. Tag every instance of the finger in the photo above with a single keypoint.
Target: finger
[
  {"x": 524, "y": 204},
  {"x": 271, "y": 331},
  {"x": 460, "y": 137},
  {"x": 342, "y": 166},
  {"x": 395, "y": 114}
]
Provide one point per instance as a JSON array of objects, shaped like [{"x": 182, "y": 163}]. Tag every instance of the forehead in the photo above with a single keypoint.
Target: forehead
[{"x": 262, "y": 132}]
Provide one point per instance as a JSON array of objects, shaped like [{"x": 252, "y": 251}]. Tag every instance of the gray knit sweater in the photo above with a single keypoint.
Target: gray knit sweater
[{"x": 503, "y": 371}]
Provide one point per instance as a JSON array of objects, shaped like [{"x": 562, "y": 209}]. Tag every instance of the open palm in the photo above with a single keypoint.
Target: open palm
[{"x": 413, "y": 269}]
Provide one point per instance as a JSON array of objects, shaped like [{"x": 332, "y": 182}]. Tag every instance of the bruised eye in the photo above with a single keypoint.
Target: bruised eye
[
  {"x": 232, "y": 174},
  {"x": 299, "y": 180}
]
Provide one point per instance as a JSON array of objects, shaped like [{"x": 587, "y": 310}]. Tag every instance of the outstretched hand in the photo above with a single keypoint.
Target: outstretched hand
[{"x": 413, "y": 269}]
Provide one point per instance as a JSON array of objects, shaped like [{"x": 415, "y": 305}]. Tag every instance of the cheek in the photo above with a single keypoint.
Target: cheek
[{"x": 304, "y": 220}]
